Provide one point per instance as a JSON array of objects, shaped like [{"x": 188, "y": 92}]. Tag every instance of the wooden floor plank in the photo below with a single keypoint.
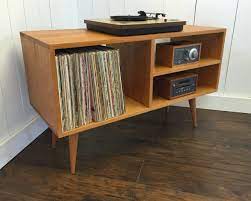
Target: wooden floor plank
[{"x": 140, "y": 159}]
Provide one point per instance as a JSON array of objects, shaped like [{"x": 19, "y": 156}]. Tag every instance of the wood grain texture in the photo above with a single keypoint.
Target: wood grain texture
[
  {"x": 164, "y": 55},
  {"x": 137, "y": 56},
  {"x": 54, "y": 140},
  {"x": 192, "y": 104},
  {"x": 211, "y": 54},
  {"x": 56, "y": 39},
  {"x": 159, "y": 102},
  {"x": 140, "y": 159},
  {"x": 209, "y": 76},
  {"x": 42, "y": 83},
  {"x": 164, "y": 70},
  {"x": 73, "y": 151},
  {"x": 134, "y": 108},
  {"x": 137, "y": 60},
  {"x": 164, "y": 85}
]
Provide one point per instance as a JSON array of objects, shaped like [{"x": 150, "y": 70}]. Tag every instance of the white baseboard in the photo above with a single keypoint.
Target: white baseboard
[
  {"x": 223, "y": 103},
  {"x": 14, "y": 144}
]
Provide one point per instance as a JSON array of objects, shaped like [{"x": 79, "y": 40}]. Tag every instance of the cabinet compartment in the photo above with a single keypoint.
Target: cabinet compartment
[
  {"x": 211, "y": 53},
  {"x": 171, "y": 87},
  {"x": 207, "y": 82},
  {"x": 175, "y": 54},
  {"x": 212, "y": 44},
  {"x": 135, "y": 65},
  {"x": 136, "y": 61}
]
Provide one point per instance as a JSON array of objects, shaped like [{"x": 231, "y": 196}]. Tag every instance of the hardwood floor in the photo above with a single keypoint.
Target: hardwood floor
[{"x": 140, "y": 159}]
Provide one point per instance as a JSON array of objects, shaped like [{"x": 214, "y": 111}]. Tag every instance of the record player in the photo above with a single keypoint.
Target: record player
[{"x": 144, "y": 23}]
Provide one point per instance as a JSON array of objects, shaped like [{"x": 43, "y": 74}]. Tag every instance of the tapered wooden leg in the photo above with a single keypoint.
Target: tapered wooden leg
[
  {"x": 165, "y": 115},
  {"x": 73, "y": 149},
  {"x": 192, "y": 104},
  {"x": 54, "y": 139}
]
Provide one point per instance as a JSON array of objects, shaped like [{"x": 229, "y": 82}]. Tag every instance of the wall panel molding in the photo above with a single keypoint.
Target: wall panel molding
[
  {"x": 17, "y": 24},
  {"x": 101, "y": 9},
  {"x": 133, "y": 6},
  {"x": 180, "y": 9},
  {"x": 64, "y": 14},
  {"x": 223, "y": 15},
  {"x": 9, "y": 78},
  {"x": 3, "y": 119},
  {"x": 238, "y": 82},
  {"x": 85, "y": 11},
  {"x": 37, "y": 14},
  {"x": 117, "y": 7}
]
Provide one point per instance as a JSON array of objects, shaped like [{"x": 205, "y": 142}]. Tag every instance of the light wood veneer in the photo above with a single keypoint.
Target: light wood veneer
[{"x": 137, "y": 66}]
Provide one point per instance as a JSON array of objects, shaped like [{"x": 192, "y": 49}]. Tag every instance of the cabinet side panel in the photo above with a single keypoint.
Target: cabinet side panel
[
  {"x": 164, "y": 55},
  {"x": 43, "y": 91}
]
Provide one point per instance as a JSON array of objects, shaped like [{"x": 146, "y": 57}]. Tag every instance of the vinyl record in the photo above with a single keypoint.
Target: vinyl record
[{"x": 129, "y": 18}]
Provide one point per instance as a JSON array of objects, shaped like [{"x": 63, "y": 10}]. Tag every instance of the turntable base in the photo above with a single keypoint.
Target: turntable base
[{"x": 129, "y": 28}]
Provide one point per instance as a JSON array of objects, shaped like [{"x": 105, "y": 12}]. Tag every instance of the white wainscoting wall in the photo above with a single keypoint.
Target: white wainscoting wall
[{"x": 20, "y": 124}]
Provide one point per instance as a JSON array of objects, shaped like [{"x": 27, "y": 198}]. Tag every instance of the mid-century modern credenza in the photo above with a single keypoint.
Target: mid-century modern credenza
[{"x": 139, "y": 72}]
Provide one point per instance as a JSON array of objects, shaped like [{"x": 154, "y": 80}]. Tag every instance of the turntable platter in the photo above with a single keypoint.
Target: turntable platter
[{"x": 129, "y": 18}]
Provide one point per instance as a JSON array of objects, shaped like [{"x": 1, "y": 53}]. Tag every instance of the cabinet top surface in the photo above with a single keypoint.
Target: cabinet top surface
[{"x": 69, "y": 38}]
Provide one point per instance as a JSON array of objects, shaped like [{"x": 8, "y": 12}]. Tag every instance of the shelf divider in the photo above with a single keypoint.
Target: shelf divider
[
  {"x": 165, "y": 70},
  {"x": 159, "y": 102}
]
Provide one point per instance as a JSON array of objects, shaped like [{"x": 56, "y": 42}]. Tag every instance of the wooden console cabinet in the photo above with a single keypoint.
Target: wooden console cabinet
[{"x": 138, "y": 68}]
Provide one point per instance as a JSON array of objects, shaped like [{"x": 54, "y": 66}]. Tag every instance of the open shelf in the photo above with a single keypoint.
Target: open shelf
[
  {"x": 133, "y": 108},
  {"x": 159, "y": 102},
  {"x": 164, "y": 70}
]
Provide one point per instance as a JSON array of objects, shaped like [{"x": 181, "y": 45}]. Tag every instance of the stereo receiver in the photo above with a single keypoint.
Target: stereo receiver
[
  {"x": 172, "y": 55},
  {"x": 175, "y": 86}
]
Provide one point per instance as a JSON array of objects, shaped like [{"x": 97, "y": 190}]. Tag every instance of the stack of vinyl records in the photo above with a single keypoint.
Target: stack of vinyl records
[{"x": 89, "y": 83}]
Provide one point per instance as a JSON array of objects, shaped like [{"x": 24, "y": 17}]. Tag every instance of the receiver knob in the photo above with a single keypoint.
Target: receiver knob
[{"x": 193, "y": 54}]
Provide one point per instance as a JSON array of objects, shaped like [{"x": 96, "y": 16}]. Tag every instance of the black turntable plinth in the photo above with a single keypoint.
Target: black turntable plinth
[
  {"x": 128, "y": 28},
  {"x": 135, "y": 25}
]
